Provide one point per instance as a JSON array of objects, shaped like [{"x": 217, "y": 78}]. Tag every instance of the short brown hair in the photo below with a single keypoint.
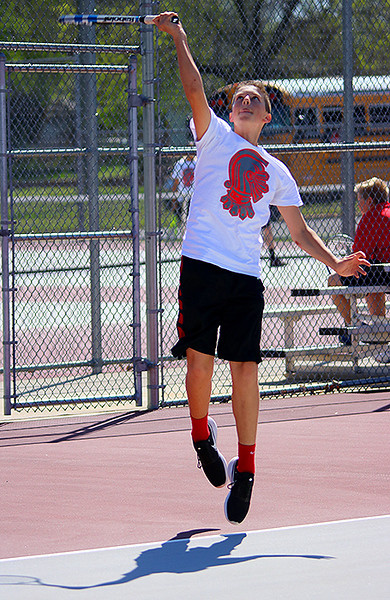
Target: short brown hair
[
  {"x": 373, "y": 188},
  {"x": 261, "y": 88}
]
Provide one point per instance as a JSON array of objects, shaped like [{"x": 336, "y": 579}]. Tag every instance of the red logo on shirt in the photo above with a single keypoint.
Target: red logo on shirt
[{"x": 247, "y": 181}]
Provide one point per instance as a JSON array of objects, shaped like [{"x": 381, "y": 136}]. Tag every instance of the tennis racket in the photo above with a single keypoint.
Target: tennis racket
[
  {"x": 340, "y": 244},
  {"x": 110, "y": 19}
]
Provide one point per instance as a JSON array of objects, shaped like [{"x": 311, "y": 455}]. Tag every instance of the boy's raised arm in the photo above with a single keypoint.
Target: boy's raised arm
[{"x": 189, "y": 72}]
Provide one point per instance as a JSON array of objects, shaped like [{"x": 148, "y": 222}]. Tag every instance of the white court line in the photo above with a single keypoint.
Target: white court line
[
  {"x": 345, "y": 560},
  {"x": 196, "y": 537}
]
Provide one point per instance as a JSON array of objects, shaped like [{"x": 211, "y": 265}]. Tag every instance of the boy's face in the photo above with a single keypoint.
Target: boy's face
[
  {"x": 364, "y": 203},
  {"x": 249, "y": 106}
]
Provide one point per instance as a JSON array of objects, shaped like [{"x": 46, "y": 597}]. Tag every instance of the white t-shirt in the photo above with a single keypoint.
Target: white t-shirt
[{"x": 235, "y": 182}]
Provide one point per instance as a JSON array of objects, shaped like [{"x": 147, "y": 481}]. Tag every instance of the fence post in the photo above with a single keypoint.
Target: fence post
[
  {"x": 5, "y": 242},
  {"x": 133, "y": 159},
  {"x": 347, "y": 161},
  {"x": 81, "y": 187},
  {"x": 147, "y": 51},
  {"x": 88, "y": 111}
]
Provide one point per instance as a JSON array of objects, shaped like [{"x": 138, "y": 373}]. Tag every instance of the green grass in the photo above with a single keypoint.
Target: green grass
[
  {"x": 41, "y": 210},
  {"x": 54, "y": 216},
  {"x": 55, "y": 209},
  {"x": 322, "y": 209}
]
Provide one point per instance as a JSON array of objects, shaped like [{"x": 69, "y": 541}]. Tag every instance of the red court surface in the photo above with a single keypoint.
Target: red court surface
[{"x": 77, "y": 483}]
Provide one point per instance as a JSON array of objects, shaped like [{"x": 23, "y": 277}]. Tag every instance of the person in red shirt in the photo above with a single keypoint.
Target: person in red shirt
[{"x": 373, "y": 238}]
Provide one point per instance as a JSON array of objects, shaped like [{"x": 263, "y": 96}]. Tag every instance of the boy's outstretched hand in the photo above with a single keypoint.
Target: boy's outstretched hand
[{"x": 352, "y": 265}]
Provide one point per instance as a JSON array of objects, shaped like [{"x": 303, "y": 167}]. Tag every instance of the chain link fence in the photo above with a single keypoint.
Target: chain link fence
[
  {"x": 72, "y": 254},
  {"x": 325, "y": 67},
  {"x": 71, "y": 195}
]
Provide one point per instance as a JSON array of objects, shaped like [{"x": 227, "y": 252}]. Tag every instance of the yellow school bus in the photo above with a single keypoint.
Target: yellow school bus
[{"x": 311, "y": 111}]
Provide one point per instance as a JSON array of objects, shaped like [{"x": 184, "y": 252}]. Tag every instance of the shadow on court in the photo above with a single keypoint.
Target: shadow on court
[{"x": 173, "y": 556}]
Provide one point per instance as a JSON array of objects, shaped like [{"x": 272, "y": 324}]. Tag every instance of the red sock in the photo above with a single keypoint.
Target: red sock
[
  {"x": 200, "y": 429},
  {"x": 246, "y": 458}
]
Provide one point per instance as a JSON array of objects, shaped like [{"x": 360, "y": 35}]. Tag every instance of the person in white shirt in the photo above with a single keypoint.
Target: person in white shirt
[
  {"x": 269, "y": 241},
  {"x": 221, "y": 293},
  {"x": 183, "y": 183}
]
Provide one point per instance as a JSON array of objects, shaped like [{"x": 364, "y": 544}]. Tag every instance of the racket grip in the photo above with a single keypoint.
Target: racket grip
[{"x": 148, "y": 19}]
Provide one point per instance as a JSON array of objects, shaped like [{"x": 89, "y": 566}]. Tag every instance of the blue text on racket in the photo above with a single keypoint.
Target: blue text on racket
[{"x": 110, "y": 19}]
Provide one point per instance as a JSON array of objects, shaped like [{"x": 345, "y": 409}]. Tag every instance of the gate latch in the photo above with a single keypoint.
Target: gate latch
[
  {"x": 137, "y": 100},
  {"x": 143, "y": 364}
]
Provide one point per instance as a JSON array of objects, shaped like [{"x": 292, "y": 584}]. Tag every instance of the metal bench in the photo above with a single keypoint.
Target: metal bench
[
  {"x": 290, "y": 351},
  {"x": 361, "y": 334}
]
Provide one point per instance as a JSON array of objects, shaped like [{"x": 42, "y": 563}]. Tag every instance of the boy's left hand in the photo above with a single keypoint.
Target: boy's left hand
[{"x": 352, "y": 265}]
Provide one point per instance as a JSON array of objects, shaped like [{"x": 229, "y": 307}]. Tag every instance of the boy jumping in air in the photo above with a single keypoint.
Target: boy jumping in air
[{"x": 221, "y": 293}]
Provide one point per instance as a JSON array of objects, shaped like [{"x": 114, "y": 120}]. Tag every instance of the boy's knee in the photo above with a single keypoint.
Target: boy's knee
[
  {"x": 244, "y": 370},
  {"x": 334, "y": 280},
  {"x": 199, "y": 365}
]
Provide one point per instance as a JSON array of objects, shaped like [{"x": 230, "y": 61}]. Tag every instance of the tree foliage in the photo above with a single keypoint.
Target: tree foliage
[{"x": 230, "y": 40}]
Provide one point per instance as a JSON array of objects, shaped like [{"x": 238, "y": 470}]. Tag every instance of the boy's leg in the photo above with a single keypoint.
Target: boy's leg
[
  {"x": 245, "y": 400},
  {"x": 204, "y": 429},
  {"x": 198, "y": 382},
  {"x": 343, "y": 304},
  {"x": 376, "y": 303}
]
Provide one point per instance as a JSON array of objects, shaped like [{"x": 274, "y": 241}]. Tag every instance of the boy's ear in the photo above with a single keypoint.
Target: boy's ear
[
  {"x": 230, "y": 117},
  {"x": 268, "y": 118}
]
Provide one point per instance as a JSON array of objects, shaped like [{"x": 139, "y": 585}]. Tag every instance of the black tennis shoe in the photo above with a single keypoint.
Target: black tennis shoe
[
  {"x": 239, "y": 498},
  {"x": 210, "y": 459}
]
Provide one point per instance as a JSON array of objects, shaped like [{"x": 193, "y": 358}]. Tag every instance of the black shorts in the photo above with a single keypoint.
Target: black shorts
[
  {"x": 219, "y": 309},
  {"x": 376, "y": 275}
]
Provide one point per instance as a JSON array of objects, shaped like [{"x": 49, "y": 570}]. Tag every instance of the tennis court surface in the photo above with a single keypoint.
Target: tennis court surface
[{"x": 113, "y": 506}]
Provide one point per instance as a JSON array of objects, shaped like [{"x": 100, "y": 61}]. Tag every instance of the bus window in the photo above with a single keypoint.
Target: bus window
[
  {"x": 379, "y": 116},
  {"x": 306, "y": 124},
  {"x": 332, "y": 118},
  {"x": 359, "y": 119},
  {"x": 281, "y": 115},
  {"x": 299, "y": 115},
  {"x": 280, "y": 122}
]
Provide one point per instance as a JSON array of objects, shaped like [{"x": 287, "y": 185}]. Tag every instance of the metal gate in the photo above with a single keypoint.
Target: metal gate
[
  {"x": 73, "y": 261},
  {"x": 330, "y": 125},
  {"x": 90, "y": 263}
]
